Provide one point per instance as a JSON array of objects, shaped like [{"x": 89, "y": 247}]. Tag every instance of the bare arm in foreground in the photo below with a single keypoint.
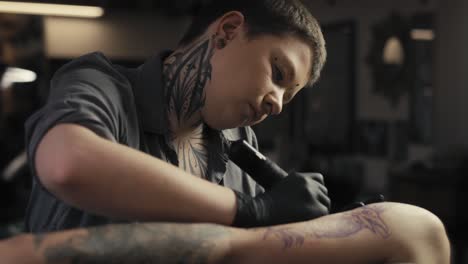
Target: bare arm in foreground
[{"x": 379, "y": 233}]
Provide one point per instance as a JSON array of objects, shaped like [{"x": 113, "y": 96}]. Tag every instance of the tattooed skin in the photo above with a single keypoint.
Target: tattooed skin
[
  {"x": 138, "y": 243},
  {"x": 192, "y": 152},
  {"x": 186, "y": 74},
  {"x": 346, "y": 225}
]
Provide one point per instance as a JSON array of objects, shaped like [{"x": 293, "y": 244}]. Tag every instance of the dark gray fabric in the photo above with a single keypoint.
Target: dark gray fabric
[{"x": 125, "y": 106}]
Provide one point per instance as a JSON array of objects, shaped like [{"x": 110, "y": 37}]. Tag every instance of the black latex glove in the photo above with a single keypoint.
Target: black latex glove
[{"x": 298, "y": 197}]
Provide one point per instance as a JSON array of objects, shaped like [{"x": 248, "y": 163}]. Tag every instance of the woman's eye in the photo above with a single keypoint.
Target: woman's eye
[{"x": 277, "y": 74}]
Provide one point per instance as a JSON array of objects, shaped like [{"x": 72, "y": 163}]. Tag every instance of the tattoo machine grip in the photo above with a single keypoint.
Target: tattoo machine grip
[{"x": 264, "y": 171}]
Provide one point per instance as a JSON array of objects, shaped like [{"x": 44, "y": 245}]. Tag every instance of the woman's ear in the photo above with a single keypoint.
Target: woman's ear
[{"x": 230, "y": 26}]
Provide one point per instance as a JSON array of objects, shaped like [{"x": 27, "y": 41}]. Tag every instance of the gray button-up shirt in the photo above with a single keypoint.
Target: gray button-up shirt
[{"x": 125, "y": 106}]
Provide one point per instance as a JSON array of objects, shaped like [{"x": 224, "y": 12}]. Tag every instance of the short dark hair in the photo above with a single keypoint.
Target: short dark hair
[{"x": 262, "y": 17}]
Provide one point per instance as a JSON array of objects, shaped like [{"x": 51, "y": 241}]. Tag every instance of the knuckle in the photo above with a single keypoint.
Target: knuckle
[
  {"x": 318, "y": 179},
  {"x": 318, "y": 176},
  {"x": 324, "y": 212},
  {"x": 314, "y": 175},
  {"x": 325, "y": 189}
]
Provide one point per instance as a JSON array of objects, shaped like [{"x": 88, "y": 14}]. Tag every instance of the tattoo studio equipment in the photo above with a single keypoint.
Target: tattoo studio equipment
[
  {"x": 267, "y": 173},
  {"x": 264, "y": 171}
]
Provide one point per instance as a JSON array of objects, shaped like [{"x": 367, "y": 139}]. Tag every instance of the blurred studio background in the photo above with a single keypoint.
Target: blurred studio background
[{"x": 389, "y": 115}]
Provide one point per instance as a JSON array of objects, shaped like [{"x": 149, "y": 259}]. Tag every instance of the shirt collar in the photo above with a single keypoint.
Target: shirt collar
[{"x": 150, "y": 93}]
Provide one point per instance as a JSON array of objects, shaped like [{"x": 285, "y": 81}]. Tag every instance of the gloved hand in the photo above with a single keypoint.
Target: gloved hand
[{"x": 298, "y": 197}]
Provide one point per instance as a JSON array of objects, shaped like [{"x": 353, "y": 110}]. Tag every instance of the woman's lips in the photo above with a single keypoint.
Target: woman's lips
[
  {"x": 249, "y": 116},
  {"x": 253, "y": 114}
]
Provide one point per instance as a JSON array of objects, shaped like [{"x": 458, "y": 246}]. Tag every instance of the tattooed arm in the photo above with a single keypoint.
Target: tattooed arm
[
  {"x": 380, "y": 233},
  {"x": 128, "y": 243}
]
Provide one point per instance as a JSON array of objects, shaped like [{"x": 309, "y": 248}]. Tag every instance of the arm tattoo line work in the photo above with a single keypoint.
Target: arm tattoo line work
[
  {"x": 365, "y": 218},
  {"x": 139, "y": 244},
  {"x": 195, "y": 243}
]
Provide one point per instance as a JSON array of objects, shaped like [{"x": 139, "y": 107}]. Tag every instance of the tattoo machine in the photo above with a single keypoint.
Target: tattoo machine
[{"x": 264, "y": 171}]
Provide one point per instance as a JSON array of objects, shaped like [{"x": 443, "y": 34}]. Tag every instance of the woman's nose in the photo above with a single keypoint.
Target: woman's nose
[{"x": 273, "y": 103}]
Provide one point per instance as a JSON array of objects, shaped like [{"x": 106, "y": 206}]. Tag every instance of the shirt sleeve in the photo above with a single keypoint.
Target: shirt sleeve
[{"x": 85, "y": 94}]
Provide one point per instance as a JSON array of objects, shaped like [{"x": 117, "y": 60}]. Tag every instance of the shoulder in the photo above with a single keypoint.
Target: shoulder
[
  {"x": 90, "y": 73},
  {"x": 93, "y": 66},
  {"x": 95, "y": 60}
]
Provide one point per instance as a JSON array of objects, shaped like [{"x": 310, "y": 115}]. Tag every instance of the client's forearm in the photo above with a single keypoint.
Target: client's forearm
[
  {"x": 360, "y": 237},
  {"x": 377, "y": 233},
  {"x": 382, "y": 233}
]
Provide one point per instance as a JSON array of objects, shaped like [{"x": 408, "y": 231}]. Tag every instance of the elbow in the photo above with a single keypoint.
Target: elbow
[
  {"x": 55, "y": 162},
  {"x": 58, "y": 177},
  {"x": 55, "y": 172}
]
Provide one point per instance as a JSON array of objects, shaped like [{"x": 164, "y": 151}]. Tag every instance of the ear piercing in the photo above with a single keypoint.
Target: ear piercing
[{"x": 220, "y": 43}]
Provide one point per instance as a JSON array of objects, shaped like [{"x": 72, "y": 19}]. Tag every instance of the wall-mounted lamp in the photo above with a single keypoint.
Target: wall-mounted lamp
[
  {"x": 390, "y": 57},
  {"x": 51, "y": 9},
  {"x": 423, "y": 34},
  {"x": 393, "y": 52},
  {"x": 16, "y": 75}
]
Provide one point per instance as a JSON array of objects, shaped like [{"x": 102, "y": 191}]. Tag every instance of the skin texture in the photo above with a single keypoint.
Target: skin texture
[
  {"x": 224, "y": 80},
  {"x": 379, "y": 233},
  {"x": 138, "y": 243}
]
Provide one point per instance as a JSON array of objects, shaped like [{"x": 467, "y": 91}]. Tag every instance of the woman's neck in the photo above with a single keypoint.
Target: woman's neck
[{"x": 186, "y": 73}]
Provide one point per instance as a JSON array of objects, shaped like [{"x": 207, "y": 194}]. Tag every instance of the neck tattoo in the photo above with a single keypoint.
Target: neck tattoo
[{"x": 186, "y": 74}]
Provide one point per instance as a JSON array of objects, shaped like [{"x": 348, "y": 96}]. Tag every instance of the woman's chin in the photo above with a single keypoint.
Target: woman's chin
[{"x": 222, "y": 124}]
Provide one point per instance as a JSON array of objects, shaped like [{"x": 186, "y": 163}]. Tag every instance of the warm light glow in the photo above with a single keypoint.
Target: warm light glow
[
  {"x": 422, "y": 34},
  {"x": 393, "y": 52},
  {"x": 50, "y": 9},
  {"x": 17, "y": 75}
]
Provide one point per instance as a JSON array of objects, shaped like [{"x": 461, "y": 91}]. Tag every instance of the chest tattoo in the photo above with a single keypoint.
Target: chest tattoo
[{"x": 192, "y": 152}]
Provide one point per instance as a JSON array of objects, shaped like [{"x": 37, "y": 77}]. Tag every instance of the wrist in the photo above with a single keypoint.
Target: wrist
[
  {"x": 243, "y": 216},
  {"x": 251, "y": 212}
]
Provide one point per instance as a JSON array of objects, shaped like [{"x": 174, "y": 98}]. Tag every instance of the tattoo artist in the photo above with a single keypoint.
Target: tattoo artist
[{"x": 114, "y": 144}]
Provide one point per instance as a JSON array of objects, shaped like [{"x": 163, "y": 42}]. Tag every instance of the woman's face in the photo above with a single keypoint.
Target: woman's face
[{"x": 253, "y": 79}]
